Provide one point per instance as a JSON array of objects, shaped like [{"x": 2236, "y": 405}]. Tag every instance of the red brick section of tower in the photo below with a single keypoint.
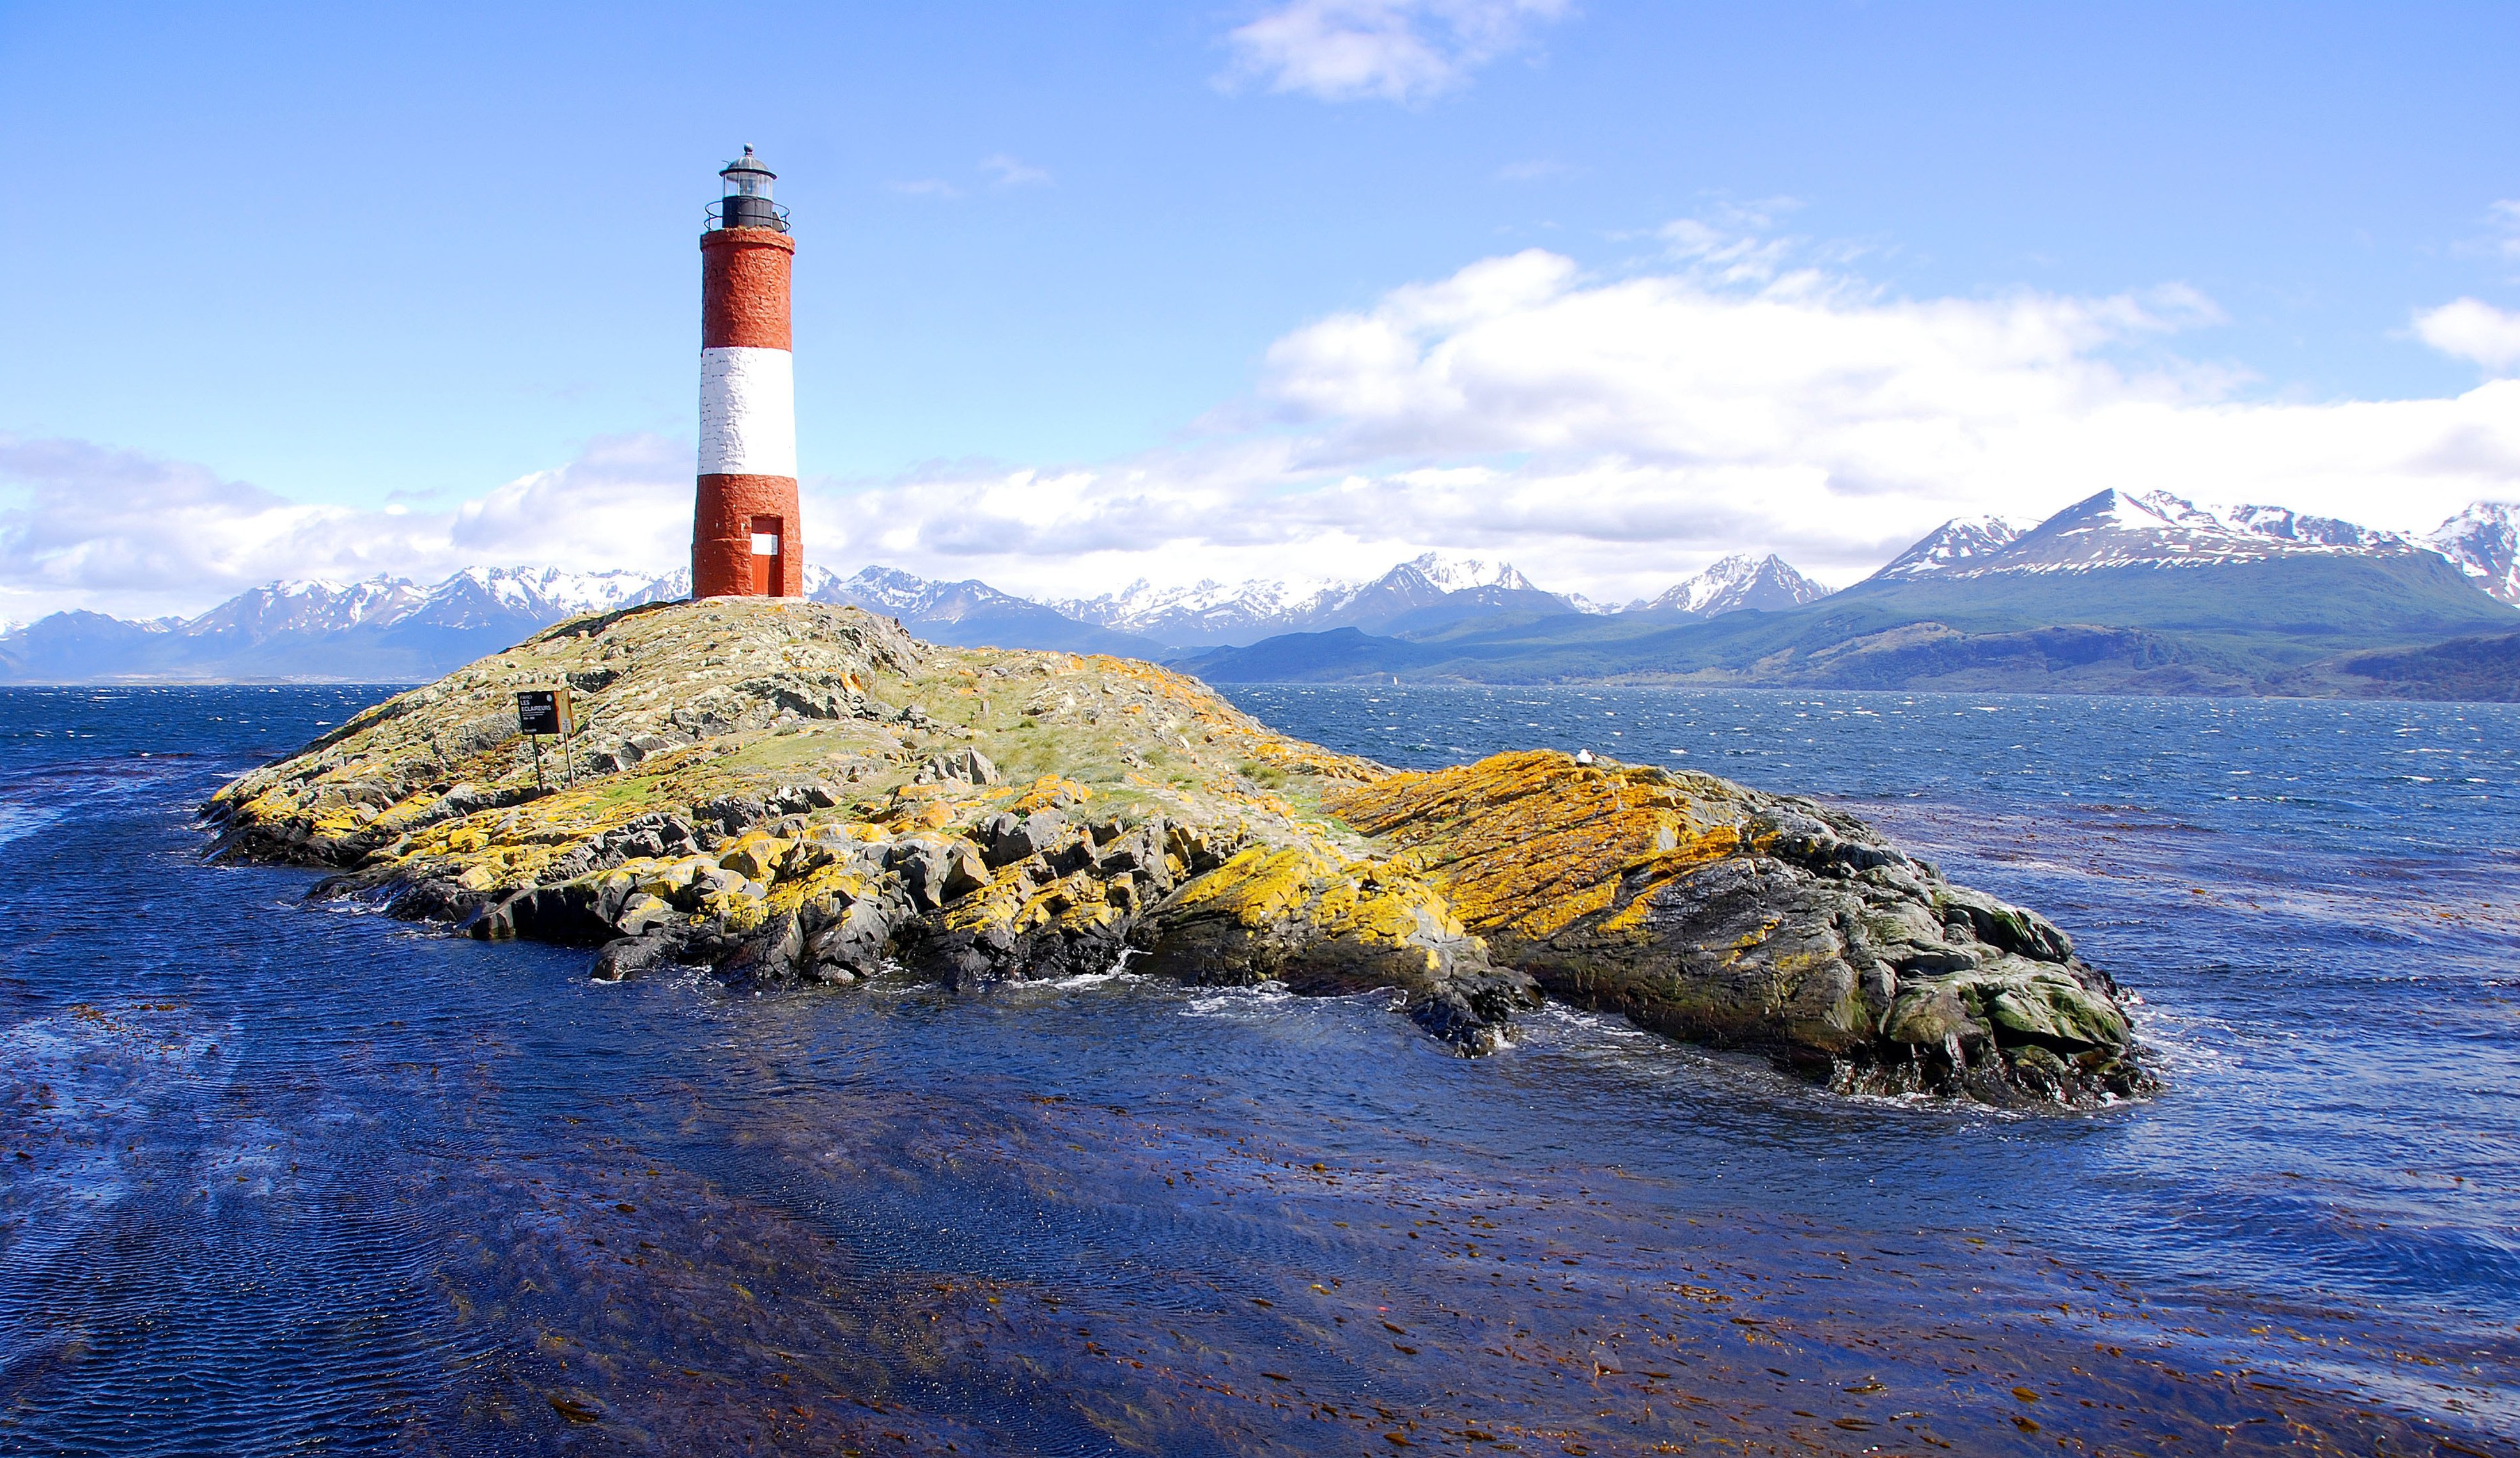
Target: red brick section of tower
[{"x": 747, "y": 537}]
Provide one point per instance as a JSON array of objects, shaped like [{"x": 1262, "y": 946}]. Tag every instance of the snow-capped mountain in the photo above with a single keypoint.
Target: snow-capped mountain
[
  {"x": 1766, "y": 583},
  {"x": 820, "y": 584},
  {"x": 1427, "y": 592},
  {"x": 971, "y": 613},
  {"x": 310, "y": 605},
  {"x": 2156, "y": 529},
  {"x": 1420, "y": 595},
  {"x": 1959, "y": 540},
  {"x": 2484, "y": 543},
  {"x": 1209, "y": 612},
  {"x": 912, "y": 597},
  {"x": 480, "y": 597},
  {"x": 1445, "y": 575},
  {"x": 900, "y": 594},
  {"x": 382, "y": 629},
  {"x": 2292, "y": 526},
  {"x": 474, "y": 597}
]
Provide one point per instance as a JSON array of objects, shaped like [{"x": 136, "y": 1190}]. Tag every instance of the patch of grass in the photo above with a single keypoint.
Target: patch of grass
[
  {"x": 1262, "y": 775},
  {"x": 632, "y": 790}
]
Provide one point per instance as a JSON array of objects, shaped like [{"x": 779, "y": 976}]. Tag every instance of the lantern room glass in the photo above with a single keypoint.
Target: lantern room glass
[{"x": 746, "y": 203}]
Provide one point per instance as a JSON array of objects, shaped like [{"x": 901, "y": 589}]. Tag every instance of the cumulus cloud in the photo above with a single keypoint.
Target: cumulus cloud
[
  {"x": 129, "y": 533},
  {"x": 1386, "y": 50},
  {"x": 1608, "y": 433},
  {"x": 2471, "y": 328},
  {"x": 625, "y": 501}
]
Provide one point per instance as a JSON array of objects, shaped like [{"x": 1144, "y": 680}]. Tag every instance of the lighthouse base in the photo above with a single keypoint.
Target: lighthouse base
[{"x": 747, "y": 538}]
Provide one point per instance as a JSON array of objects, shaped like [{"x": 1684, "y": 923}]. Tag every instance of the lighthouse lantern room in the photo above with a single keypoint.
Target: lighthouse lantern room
[
  {"x": 745, "y": 538},
  {"x": 746, "y": 202}
]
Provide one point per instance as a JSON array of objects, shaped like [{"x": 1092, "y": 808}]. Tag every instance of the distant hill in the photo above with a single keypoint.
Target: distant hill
[
  {"x": 2476, "y": 669},
  {"x": 2119, "y": 593}
]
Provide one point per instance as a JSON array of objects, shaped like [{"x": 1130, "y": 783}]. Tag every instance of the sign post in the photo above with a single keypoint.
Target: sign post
[{"x": 545, "y": 710}]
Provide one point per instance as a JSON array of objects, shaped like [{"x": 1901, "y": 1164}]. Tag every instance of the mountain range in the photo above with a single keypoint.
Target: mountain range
[
  {"x": 393, "y": 629},
  {"x": 2145, "y": 591},
  {"x": 384, "y": 630},
  {"x": 2123, "y": 592},
  {"x": 1425, "y": 592}
]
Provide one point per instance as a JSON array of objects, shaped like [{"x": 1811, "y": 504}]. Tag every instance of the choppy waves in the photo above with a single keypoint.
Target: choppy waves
[{"x": 279, "y": 1179}]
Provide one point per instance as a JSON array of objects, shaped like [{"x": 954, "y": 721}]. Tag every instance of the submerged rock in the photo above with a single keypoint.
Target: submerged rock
[{"x": 788, "y": 791}]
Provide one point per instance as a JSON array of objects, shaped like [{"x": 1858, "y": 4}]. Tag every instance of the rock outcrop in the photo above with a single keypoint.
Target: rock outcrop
[
  {"x": 793, "y": 791},
  {"x": 1717, "y": 914}
]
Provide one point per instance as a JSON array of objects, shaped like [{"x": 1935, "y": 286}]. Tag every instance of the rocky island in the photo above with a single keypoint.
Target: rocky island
[{"x": 789, "y": 791}]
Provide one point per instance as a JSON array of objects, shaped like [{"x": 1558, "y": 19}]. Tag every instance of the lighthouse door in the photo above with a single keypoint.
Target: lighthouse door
[{"x": 768, "y": 544}]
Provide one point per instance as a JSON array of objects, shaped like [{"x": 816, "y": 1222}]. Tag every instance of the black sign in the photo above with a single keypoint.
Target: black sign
[{"x": 542, "y": 711}]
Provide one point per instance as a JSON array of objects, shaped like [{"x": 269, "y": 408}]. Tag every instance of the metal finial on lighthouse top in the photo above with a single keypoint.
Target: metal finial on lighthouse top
[{"x": 746, "y": 202}]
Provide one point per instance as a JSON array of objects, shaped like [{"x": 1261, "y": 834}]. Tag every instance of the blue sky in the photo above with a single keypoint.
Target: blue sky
[{"x": 1067, "y": 274}]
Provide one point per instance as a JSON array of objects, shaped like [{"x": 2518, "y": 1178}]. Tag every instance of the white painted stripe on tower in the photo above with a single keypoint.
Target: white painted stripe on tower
[{"x": 747, "y": 412}]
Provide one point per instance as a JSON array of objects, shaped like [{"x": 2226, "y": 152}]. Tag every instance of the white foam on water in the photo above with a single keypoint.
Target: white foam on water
[
  {"x": 1261, "y": 999},
  {"x": 1091, "y": 979},
  {"x": 1593, "y": 1024},
  {"x": 19, "y": 820},
  {"x": 111, "y": 1078}
]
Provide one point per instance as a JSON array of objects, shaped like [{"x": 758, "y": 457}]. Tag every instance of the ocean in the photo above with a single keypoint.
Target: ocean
[{"x": 279, "y": 1177}]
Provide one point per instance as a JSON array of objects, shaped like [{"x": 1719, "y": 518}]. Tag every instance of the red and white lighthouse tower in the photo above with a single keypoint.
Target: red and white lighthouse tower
[{"x": 744, "y": 529}]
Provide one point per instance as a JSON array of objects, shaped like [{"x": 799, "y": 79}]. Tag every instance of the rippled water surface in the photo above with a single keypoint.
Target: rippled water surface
[{"x": 277, "y": 1178}]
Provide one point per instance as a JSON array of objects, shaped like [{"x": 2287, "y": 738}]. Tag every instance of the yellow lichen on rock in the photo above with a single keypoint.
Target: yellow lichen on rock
[
  {"x": 1531, "y": 842},
  {"x": 1272, "y": 885},
  {"x": 1296, "y": 755},
  {"x": 1051, "y": 792},
  {"x": 1262, "y": 886},
  {"x": 1376, "y": 905}
]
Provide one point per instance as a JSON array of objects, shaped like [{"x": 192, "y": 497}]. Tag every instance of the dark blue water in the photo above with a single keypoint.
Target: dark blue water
[{"x": 277, "y": 1178}]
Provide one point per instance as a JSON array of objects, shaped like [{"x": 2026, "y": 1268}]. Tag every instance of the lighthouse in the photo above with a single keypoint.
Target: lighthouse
[{"x": 745, "y": 528}]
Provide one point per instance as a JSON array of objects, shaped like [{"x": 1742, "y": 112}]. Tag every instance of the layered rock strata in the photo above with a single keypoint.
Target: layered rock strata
[{"x": 795, "y": 791}]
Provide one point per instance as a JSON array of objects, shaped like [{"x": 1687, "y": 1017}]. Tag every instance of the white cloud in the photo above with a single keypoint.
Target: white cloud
[
  {"x": 2472, "y": 329},
  {"x": 123, "y": 532},
  {"x": 2507, "y": 218},
  {"x": 1008, "y": 172},
  {"x": 624, "y": 502},
  {"x": 1386, "y": 50},
  {"x": 925, "y": 187},
  {"x": 1607, "y": 434},
  {"x": 1610, "y": 435}
]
